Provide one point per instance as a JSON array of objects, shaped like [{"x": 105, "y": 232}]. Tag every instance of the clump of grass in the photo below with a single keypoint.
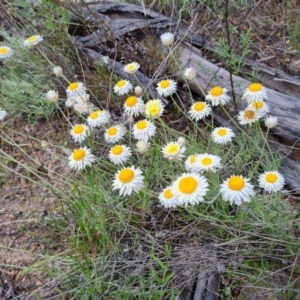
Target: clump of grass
[{"x": 116, "y": 252}]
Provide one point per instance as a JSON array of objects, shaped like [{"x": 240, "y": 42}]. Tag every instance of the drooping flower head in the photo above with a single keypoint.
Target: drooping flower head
[
  {"x": 5, "y": 52},
  {"x": 166, "y": 87},
  {"x": 173, "y": 151},
  {"x": 80, "y": 132},
  {"x": 167, "y": 198},
  {"x": 255, "y": 91},
  {"x": 122, "y": 87},
  {"x": 237, "y": 189},
  {"x": 208, "y": 163},
  {"x": 222, "y": 135},
  {"x": 154, "y": 109},
  {"x": 190, "y": 188},
  {"x": 217, "y": 95},
  {"x": 143, "y": 130},
  {"x": 142, "y": 147},
  {"x": 119, "y": 154},
  {"x": 167, "y": 38},
  {"x": 248, "y": 116},
  {"x": 199, "y": 110},
  {"x": 133, "y": 106},
  {"x": 81, "y": 158},
  {"x": 33, "y": 40},
  {"x": 271, "y": 181},
  {"x": 52, "y": 96},
  {"x": 128, "y": 180},
  {"x": 190, "y": 73},
  {"x": 271, "y": 122},
  {"x": 131, "y": 68},
  {"x": 114, "y": 134}
]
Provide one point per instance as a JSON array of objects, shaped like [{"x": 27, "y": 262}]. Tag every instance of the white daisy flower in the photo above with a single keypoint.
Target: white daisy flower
[
  {"x": 71, "y": 101},
  {"x": 119, "y": 154},
  {"x": 190, "y": 73},
  {"x": 80, "y": 132},
  {"x": 248, "y": 116},
  {"x": 208, "y": 162},
  {"x": 222, "y": 135},
  {"x": 143, "y": 130},
  {"x": 142, "y": 147},
  {"x": 167, "y": 199},
  {"x": 199, "y": 110},
  {"x": 33, "y": 40},
  {"x": 271, "y": 181},
  {"x": 271, "y": 122},
  {"x": 190, "y": 188},
  {"x": 131, "y": 68},
  {"x": 114, "y": 134},
  {"x": 173, "y": 151},
  {"x": 167, "y": 38},
  {"x": 3, "y": 114},
  {"x": 166, "y": 87},
  {"x": 75, "y": 89},
  {"x": 255, "y": 91},
  {"x": 133, "y": 106},
  {"x": 52, "y": 96},
  {"x": 190, "y": 163},
  {"x": 128, "y": 180},
  {"x": 217, "y": 95},
  {"x": 84, "y": 108},
  {"x": 260, "y": 106},
  {"x": 80, "y": 158},
  {"x": 122, "y": 87},
  {"x": 58, "y": 71},
  {"x": 154, "y": 108},
  {"x": 5, "y": 52},
  {"x": 98, "y": 118},
  {"x": 237, "y": 189}
]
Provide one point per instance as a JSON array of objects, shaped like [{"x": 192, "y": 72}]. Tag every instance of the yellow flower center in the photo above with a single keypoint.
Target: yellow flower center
[
  {"x": 117, "y": 150},
  {"x": 249, "y": 114},
  {"x": 258, "y": 104},
  {"x": 3, "y": 50},
  {"x": 188, "y": 185},
  {"x": 131, "y": 101},
  {"x": 141, "y": 125},
  {"x": 165, "y": 84},
  {"x": 131, "y": 67},
  {"x": 112, "y": 131},
  {"x": 236, "y": 183},
  {"x": 271, "y": 178},
  {"x": 153, "y": 110},
  {"x": 168, "y": 194},
  {"x": 222, "y": 132},
  {"x": 79, "y": 154},
  {"x": 173, "y": 149},
  {"x": 32, "y": 39},
  {"x": 78, "y": 129},
  {"x": 216, "y": 91},
  {"x": 73, "y": 86},
  {"x": 94, "y": 115},
  {"x": 193, "y": 159},
  {"x": 207, "y": 161},
  {"x": 255, "y": 87},
  {"x": 126, "y": 175},
  {"x": 121, "y": 83},
  {"x": 199, "y": 106}
]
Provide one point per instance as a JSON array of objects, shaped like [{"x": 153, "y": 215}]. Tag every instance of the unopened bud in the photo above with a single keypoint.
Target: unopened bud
[
  {"x": 181, "y": 141},
  {"x": 138, "y": 90},
  {"x": 58, "y": 71}
]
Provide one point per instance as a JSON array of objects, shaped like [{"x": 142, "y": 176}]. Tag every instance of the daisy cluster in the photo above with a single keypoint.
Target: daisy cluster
[{"x": 192, "y": 186}]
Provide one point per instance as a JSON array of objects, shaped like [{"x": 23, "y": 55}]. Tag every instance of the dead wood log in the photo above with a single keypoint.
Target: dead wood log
[{"x": 117, "y": 21}]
